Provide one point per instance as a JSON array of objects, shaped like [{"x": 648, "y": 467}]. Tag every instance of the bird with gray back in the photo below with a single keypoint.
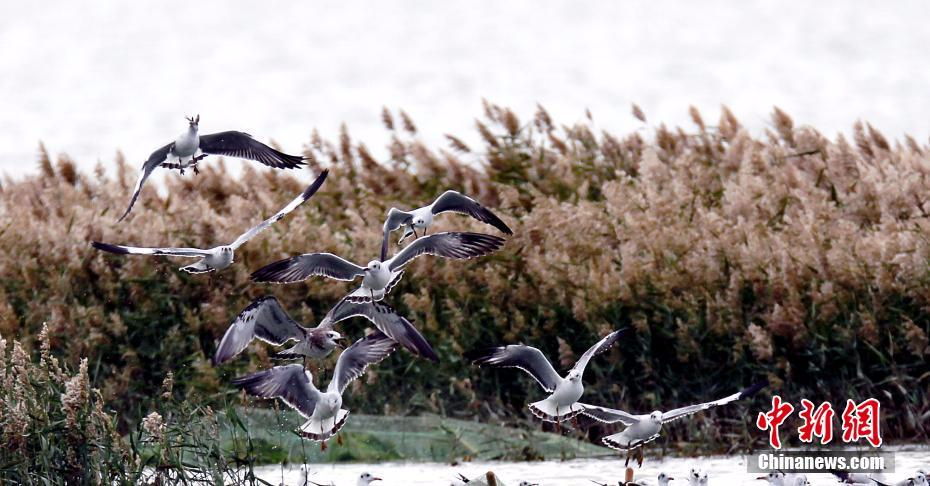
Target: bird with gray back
[
  {"x": 379, "y": 276},
  {"x": 219, "y": 257},
  {"x": 266, "y": 320},
  {"x": 190, "y": 148},
  {"x": 422, "y": 218},
  {"x": 562, "y": 403}
]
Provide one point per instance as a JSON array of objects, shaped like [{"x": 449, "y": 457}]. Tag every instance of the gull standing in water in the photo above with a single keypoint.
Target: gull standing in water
[
  {"x": 190, "y": 147},
  {"x": 219, "y": 257},
  {"x": 779, "y": 478},
  {"x": 642, "y": 429},
  {"x": 379, "y": 276},
  {"x": 266, "y": 320},
  {"x": 293, "y": 384},
  {"x": 564, "y": 393},
  {"x": 422, "y": 218},
  {"x": 364, "y": 480}
]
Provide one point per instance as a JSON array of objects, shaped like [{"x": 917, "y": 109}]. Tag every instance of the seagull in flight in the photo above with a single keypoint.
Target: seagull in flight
[
  {"x": 266, "y": 320},
  {"x": 422, "y": 218},
  {"x": 564, "y": 393},
  {"x": 293, "y": 384},
  {"x": 642, "y": 429},
  {"x": 220, "y": 257},
  {"x": 379, "y": 276},
  {"x": 190, "y": 148}
]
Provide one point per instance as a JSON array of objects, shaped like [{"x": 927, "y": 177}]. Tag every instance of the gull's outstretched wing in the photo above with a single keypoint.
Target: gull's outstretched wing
[
  {"x": 307, "y": 194},
  {"x": 459, "y": 203},
  {"x": 601, "y": 346},
  {"x": 148, "y": 167},
  {"x": 263, "y": 319},
  {"x": 134, "y": 250},
  {"x": 460, "y": 246},
  {"x": 242, "y": 145},
  {"x": 292, "y": 384},
  {"x": 302, "y": 267},
  {"x": 526, "y": 358},
  {"x": 691, "y": 409},
  {"x": 610, "y": 415},
  {"x": 387, "y": 320},
  {"x": 356, "y": 358},
  {"x": 394, "y": 220}
]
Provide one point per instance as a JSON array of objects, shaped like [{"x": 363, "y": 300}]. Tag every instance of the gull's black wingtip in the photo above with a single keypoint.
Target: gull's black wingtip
[
  {"x": 479, "y": 356},
  {"x": 752, "y": 390},
  {"x": 315, "y": 186},
  {"x": 109, "y": 248}
]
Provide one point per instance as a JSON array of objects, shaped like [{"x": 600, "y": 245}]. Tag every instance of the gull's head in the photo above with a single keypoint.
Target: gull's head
[
  {"x": 574, "y": 376},
  {"x": 656, "y": 417},
  {"x": 332, "y": 338},
  {"x": 366, "y": 479},
  {"x": 695, "y": 474},
  {"x": 373, "y": 266},
  {"x": 194, "y": 121},
  {"x": 527, "y": 483},
  {"x": 703, "y": 479},
  {"x": 664, "y": 479}
]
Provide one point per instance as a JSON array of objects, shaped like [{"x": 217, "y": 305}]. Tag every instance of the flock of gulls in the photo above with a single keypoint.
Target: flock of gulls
[{"x": 265, "y": 319}]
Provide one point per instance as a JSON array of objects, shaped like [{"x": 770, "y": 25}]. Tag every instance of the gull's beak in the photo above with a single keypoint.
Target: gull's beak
[
  {"x": 377, "y": 479},
  {"x": 761, "y": 478},
  {"x": 671, "y": 479}
]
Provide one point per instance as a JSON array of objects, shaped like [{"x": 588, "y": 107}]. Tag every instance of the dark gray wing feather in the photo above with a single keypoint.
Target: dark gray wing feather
[
  {"x": 290, "y": 383},
  {"x": 459, "y": 203},
  {"x": 388, "y": 321},
  {"x": 526, "y": 358},
  {"x": 148, "y": 167},
  {"x": 355, "y": 359},
  {"x": 460, "y": 246},
  {"x": 242, "y": 145},
  {"x": 302, "y": 267},
  {"x": 395, "y": 219},
  {"x": 264, "y": 319}
]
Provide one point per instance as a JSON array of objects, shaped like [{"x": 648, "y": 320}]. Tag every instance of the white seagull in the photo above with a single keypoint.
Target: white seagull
[
  {"x": 662, "y": 480},
  {"x": 220, "y": 257},
  {"x": 562, "y": 403},
  {"x": 183, "y": 153},
  {"x": 379, "y": 276},
  {"x": 422, "y": 218},
  {"x": 642, "y": 429},
  {"x": 697, "y": 477},
  {"x": 266, "y": 320},
  {"x": 293, "y": 384},
  {"x": 917, "y": 480}
]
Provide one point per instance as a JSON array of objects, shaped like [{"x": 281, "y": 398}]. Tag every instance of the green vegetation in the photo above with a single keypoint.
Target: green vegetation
[{"x": 733, "y": 257}]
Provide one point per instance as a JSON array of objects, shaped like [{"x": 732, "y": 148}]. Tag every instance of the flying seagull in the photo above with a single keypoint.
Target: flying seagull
[
  {"x": 266, "y": 320},
  {"x": 422, "y": 218},
  {"x": 190, "y": 148},
  {"x": 219, "y": 257},
  {"x": 379, "y": 276},
  {"x": 562, "y": 403},
  {"x": 642, "y": 429},
  {"x": 293, "y": 384}
]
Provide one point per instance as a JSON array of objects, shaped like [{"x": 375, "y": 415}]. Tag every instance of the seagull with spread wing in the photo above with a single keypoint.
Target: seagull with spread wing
[
  {"x": 293, "y": 384},
  {"x": 379, "y": 276},
  {"x": 642, "y": 429},
  {"x": 564, "y": 393},
  {"x": 220, "y": 257},
  {"x": 191, "y": 147},
  {"x": 422, "y": 218},
  {"x": 266, "y": 320}
]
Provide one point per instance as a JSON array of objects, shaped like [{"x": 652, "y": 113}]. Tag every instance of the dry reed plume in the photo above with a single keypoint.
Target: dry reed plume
[{"x": 789, "y": 255}]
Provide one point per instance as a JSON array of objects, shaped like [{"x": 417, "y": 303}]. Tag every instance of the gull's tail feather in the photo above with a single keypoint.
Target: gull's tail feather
[
  {"x": 621, "y": 442},
  {"x": 549, "y": 411},
  {"x": 320, "y": 430},
  {"x": 362, "y": 295},
  {"x": 199, "y": 267}
]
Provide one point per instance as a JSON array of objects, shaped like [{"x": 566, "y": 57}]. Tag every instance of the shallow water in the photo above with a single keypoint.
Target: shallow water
[{"x": 722, "y": 470}]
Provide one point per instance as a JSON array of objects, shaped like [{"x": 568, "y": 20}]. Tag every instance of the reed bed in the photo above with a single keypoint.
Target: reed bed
[{"x": 787, "y": 255}]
